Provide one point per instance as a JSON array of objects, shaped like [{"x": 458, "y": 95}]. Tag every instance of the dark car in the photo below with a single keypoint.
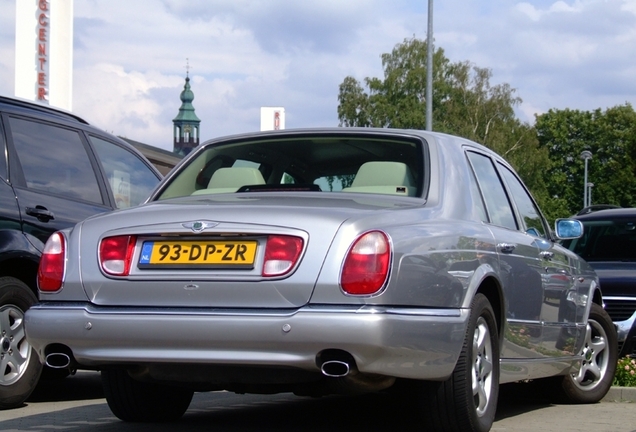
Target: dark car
[
  {"x": 55, "y": 170},
  {"x": 325, "y": 261},
  {"x": 596, "y": 207},
  {"x": 608, "y": 244}
]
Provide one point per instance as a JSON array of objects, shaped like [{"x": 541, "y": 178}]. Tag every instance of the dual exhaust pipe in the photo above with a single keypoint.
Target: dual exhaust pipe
[{"x": 330, "y": 368}]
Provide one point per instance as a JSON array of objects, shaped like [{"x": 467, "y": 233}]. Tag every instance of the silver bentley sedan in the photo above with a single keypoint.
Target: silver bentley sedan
[{"x": 326, "y": 261}]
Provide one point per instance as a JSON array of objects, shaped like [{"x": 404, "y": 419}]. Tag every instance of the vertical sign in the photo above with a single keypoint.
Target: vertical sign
[
  {"x": 42, "y": 41},
  {"x": 272, "y": 118},
  {"x": 276, "y": 120},
  {"x": 44, "y": 51}
]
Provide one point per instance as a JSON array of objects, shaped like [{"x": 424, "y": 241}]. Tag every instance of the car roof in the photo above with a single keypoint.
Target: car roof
[
  {"x": 616, "y": 213},
  {"x": 442, "y": 139},
  {"x": 26, "y": 106},
  {"x": 596, "y": 207}
]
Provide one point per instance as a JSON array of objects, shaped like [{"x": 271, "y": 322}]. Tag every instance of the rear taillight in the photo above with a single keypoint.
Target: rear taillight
[
  {"x": 115, "y": 254},
  {"x": 52, "y": 263},
  {"x": 366, "y": 266},
  {"x": 281, "y": 254}
]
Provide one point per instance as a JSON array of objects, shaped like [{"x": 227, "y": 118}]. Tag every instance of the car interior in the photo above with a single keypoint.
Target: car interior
[{"x": 330, "y": 164}]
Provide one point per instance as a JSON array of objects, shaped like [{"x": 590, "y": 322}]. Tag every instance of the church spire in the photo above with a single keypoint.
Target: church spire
[{"x": 186, "y": 123}]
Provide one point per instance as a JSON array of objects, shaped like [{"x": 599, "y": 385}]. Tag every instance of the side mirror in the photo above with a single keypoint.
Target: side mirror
[{"x": 567, "y": 229}]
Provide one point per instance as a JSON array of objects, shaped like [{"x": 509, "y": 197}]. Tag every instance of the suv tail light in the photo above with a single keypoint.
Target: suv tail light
[
  {"x": 281, "y": 254},
  {"x": 115, "y": 254},
  {"x": 52, "y": 263},
  {"x": 366, "y": 266}
]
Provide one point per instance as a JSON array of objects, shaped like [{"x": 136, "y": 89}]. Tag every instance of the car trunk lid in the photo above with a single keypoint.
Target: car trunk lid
[{"x": 200, "y": 224}]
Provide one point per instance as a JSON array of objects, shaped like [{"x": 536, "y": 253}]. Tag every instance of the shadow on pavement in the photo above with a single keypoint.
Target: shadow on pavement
[
  {"x": 520, "y": 398},
  {"x": 247, "y": 413},
  {"x": 81, "y": 386}
]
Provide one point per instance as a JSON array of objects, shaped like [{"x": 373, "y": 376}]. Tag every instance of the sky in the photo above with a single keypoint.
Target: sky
[{"x": 130, "y": 56}]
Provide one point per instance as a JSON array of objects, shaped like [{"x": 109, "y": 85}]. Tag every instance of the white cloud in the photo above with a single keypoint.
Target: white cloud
[
  {"x": 529, "y": 10},
  {"x": 107, "y": 95},
  {"x": 7, "y": 47}
]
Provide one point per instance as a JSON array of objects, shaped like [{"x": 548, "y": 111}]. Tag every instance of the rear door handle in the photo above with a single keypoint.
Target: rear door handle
[
  {"x": 41, "y": 213},
  {"x": 546, "y": 255},
  {"x": 506, "y": 247}
]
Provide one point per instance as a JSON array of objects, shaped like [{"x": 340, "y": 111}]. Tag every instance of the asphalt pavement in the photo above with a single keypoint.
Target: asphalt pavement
[{"x": 77, "y": 404}]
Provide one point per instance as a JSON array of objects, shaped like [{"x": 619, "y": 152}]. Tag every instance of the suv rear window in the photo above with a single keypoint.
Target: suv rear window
[
  {"x": 130, "y": 179},
  {"x": 606, "y": 240},
  {"x": 54, "y": 160}
]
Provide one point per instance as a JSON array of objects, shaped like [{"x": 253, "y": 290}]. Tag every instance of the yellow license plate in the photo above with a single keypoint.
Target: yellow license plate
[{"x": 198, "y": 253}]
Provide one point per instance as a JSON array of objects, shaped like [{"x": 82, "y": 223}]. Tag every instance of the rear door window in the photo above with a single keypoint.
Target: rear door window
[
  {"x": 499, "y": 209},
  {"x": 54, "y": 160},
  {"x": 530, "y": 216},
  {"x": 3, "y": 153}
]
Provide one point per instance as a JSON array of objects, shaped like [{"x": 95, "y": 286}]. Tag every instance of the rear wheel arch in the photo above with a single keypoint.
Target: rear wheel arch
[
  {"x": 491, "y": 288},
  {"x": 23, "y": 268},
  {"x": 19, "y": 257}
]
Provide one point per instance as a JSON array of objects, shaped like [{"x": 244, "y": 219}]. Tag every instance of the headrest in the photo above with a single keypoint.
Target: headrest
[
  {"x": 235, "y": 177},
  {"x": 382, "y": 174}
]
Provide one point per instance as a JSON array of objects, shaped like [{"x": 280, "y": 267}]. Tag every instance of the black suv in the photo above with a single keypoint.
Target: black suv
[
  {"x": 55, "y": 170},
  {"x": 609, "y": 246}
]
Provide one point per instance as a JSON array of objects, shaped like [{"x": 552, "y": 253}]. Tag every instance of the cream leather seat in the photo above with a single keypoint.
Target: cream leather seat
[
  {"x": 228, "y": 180},
  {"x": 394, "y": 178}
]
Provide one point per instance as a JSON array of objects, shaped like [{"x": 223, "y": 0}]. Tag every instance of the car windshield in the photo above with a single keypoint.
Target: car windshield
[
  {"x": 303, "y": 163},
  {"x": 606, "y": 240}
]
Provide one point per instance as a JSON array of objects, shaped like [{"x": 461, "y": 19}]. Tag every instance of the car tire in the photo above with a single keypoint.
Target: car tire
[
  {"x": 20, "y": 367},
  {"x": 467, "y": 401},
  {"x": 136, "y": 401},
  {"x": 600, "y": 356}
]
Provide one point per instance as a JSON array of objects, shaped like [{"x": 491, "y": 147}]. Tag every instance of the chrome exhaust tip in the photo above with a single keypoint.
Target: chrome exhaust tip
[
  {"x": 57, "y": 360},
  {"x": 335, "y": 368}
]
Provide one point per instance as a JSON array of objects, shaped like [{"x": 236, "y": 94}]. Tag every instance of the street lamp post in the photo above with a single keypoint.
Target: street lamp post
[
  {"x": 429, "y": 68},
  {"x": 589, "y": 194},
  {"x": 585, "y": 155}
]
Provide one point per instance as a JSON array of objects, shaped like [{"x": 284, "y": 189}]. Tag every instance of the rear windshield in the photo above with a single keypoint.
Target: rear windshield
[
  {"x": 313, "y": 164},
  {"x": 606, "y": 240}
]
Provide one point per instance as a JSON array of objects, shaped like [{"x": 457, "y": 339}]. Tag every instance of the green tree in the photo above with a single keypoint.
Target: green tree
[
  {"x": 611, "y": 137},
  {"x": 399, "y": 100},
  {"x": 465, "y": 103}
]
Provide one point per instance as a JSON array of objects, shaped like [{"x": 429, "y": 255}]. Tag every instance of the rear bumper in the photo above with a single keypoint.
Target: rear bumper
[
  {"x": 399, "y": 342},
  {"x": 625, "y": 329}
]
